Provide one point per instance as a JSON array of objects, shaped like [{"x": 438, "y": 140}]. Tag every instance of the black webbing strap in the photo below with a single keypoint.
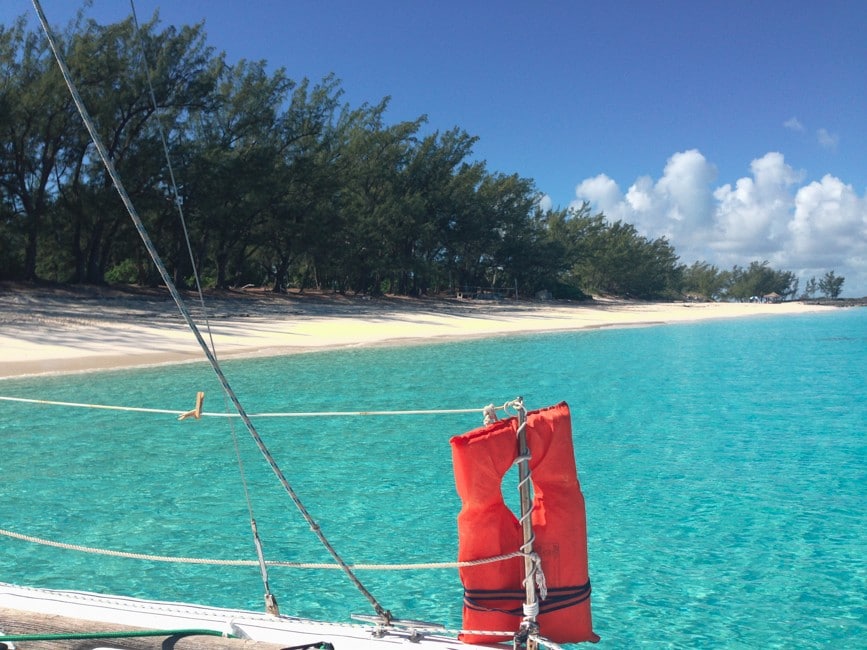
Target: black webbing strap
[{"x": 511, "y": 601}]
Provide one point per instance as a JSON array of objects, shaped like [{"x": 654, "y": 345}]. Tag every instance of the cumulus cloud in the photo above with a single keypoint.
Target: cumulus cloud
[
  {"x": 684, "y": 187},
  {"x": 600, "y": 191},
  {"x": 828, "y": 214},
  {"x": 749, "y": 217},
  {"x": 794, "y": 124},
  {"x": 772, "y": 214},
  {"x": 678, "y": 206}
]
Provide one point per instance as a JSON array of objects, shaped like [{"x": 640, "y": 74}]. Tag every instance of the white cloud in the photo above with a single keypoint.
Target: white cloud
[
  {"x": 749, "y": 217},
  {"x": 828, "y": 215},
  {"x": 827, "y": 140},
  {"x": 640, "y": 196},
  {"x": 772, "y": 214},
  {"x": 678, "y": 206},
  {"x": 685, "y": 188},
  {"x": 794, "y": 124},
  {"x": 601, "y": 191}
]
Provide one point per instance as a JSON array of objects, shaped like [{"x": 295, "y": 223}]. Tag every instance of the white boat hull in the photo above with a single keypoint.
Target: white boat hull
[{"x": 135, "y": 613}]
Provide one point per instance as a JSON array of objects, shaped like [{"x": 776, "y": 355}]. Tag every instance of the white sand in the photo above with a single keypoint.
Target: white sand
[{"x": 57, "y": 331}]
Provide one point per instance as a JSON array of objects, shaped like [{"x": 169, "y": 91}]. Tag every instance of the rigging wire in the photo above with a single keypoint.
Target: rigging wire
[
  {"x": 270, "y": 600},
  {"x": 182, "y": 308}
]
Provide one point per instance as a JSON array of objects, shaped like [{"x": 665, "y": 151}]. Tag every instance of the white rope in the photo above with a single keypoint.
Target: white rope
[
  {"x": 490, "y": 414},
  {"x": 541, "y": 583},
  {"x": 276, "y": 563},
  {"x": 545, "y": 643},
  {"x": 89, "y": 406},
  {"x": 310, "y": 414},
  {"x": 541, "y": 641},
  {"x": 315, "y": 414},
  {"x": 420, "y": 630}
]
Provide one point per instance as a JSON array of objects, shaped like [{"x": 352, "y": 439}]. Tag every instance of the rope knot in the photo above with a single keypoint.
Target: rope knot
[
  {"x": 490, "y": 414},
  {"x": 541, "y": 583}
]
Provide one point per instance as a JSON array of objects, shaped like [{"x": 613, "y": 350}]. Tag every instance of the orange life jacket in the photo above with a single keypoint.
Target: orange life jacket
[{"x": 494, "y": 592}]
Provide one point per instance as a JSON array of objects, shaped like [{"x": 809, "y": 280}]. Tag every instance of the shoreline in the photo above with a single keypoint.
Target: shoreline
[{"x": 61, "y": 331}]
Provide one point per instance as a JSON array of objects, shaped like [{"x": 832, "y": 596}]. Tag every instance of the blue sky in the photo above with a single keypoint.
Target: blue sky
[{"x": 736, "y": 129}]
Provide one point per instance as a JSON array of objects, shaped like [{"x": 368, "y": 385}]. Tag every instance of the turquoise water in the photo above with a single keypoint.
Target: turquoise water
[{"x": 724, "y": 466}]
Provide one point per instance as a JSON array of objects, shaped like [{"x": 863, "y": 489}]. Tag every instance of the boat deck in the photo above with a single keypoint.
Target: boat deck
[{"x": 78, "y": 620}]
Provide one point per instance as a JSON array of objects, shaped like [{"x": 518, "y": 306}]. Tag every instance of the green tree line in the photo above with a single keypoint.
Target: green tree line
[{"x": 282, "y": 183}]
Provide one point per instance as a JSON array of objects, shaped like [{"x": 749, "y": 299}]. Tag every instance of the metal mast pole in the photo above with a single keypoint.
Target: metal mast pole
[{"x": 531, "y": 604}]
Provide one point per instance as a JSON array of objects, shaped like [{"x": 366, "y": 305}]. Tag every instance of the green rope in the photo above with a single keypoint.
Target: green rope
[{"x": 111, "y": 635}]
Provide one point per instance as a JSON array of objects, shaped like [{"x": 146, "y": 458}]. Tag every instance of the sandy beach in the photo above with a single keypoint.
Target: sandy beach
[{"x": 74, "y": 330}]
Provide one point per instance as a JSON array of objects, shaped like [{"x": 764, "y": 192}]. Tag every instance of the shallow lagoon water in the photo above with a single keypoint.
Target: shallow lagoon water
[{"x": 724, "y": 466}]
